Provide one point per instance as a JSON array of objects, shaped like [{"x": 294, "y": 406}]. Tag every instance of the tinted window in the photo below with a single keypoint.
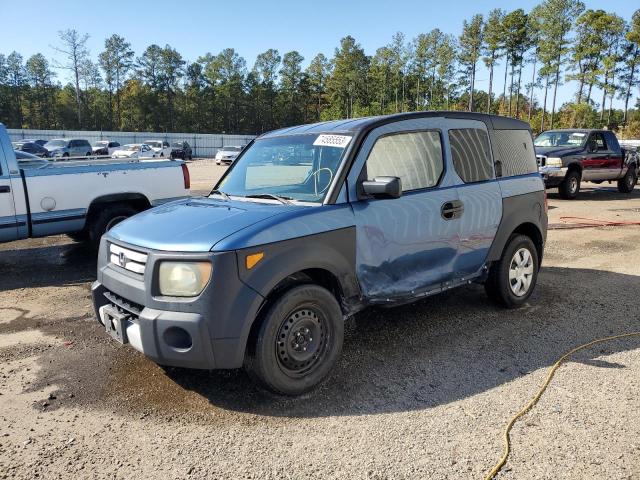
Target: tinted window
[
  {"x": 612, "y": 141},
  {"x": 470, "y": 154},
  {"x": 415, "y": 157},
  {"x": 514, "y": 149}
]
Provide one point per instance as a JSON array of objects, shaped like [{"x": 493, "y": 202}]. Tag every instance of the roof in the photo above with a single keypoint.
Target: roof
[{"x": 354, "y": 125}]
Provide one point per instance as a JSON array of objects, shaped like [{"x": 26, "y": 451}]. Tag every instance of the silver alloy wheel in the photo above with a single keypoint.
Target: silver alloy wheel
[
  {"x": 521, "y": 272},
  {"x": 114, "y": 221},
  {"x": 573, "y": 185}
]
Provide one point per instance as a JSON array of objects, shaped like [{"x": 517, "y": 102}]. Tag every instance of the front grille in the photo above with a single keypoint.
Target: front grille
[
  {"x": 131, "y": 260},
  {"x": 542, "y": 160},
  {"x": 123, "y": 304}
]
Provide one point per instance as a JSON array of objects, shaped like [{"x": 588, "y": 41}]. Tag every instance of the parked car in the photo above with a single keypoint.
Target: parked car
[
  {"x": 568, "y": 157},
  {"x": 39, "y": 142},
  {"x": 63, "y": 147},
  {"x": 28, "y": 160},
  {"x": 105, "y": 147},
  {"x": 31, "y": 147},
  {"x": 79, "y": 197},
  {"x": 134, "y": 150},
  {"x": 227, "y": 155},
  {"x": 263, "y": 272},
  {"x": 160, "y": 147},
  {"x": 181, "y": 150}
]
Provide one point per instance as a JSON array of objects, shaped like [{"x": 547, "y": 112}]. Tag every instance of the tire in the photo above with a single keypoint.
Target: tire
[
  {"x": 88, "y": 154},
  {"x": 627, "y": 183},
  {"x": 500, "y": 286},
  {"x": 108, "y": 217},
  {"x": 65, "y": 154},
  {"x": 80, "y": 236},
  {"x": 298, "y": 341},
  {"x": 570, "y": 186}
]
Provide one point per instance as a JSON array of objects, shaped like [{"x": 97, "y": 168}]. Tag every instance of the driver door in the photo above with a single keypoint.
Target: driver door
[
  {"x": 406, "y": 245},
  {"x": 8, "y": 224}
]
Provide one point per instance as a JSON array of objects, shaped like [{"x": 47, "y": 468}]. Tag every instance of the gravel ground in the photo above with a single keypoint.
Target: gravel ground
[{"x": 421, "y": 391}]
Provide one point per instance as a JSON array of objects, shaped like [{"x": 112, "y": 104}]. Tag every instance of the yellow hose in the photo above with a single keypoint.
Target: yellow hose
[{"x": 507, "y": 448}]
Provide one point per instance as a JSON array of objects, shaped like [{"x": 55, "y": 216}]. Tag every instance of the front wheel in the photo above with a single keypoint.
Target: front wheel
[
  {"x": 298, "y": 342},
  {"x": 627, "y": 183},
  {"x": 513, "y": 278},
  {"x": 570, "y": 186}
]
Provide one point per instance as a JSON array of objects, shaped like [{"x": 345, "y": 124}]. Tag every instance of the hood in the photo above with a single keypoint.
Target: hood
[
  {"x": 557, "y": 151},
  {"x": 192, "y": 225}
]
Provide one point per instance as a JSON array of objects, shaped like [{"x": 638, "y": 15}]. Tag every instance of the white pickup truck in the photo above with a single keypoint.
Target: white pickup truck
[{"x": 82, "y": 198}]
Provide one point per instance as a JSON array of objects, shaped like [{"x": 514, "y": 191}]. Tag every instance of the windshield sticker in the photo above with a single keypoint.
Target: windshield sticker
[{"x": 340, "y": 141}]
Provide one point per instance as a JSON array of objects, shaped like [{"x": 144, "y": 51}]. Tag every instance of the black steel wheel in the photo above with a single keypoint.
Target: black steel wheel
[{"x": 298, "y": 341}]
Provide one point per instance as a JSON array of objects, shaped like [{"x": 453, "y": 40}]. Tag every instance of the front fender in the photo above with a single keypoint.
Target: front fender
[{"x": 333, "y": 251}]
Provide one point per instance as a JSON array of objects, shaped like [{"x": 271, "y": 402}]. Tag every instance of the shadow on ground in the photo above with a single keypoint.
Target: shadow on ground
[
  {"x": 445, "y": 348},
  {"x": 48, "y": 264}
]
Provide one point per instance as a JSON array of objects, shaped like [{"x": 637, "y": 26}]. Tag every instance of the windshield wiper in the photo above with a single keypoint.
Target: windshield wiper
[
  {"x": 285, "y": 200},
  {"x": 221, "y": 193}
]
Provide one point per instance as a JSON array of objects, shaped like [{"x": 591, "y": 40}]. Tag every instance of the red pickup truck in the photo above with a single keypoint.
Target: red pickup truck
[{"x": 568, "y": 157}]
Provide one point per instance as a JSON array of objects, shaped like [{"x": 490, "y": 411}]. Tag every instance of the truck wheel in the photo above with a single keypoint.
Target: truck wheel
[
  {"x": 107, "y": 218},
  {"x": 513, "y": 278},
  {"x": 79, "y": 236},
  {"x": 298, "y": 341},
  {"x": 570, "y": 186},
  {"x": 627, "y": 183}
]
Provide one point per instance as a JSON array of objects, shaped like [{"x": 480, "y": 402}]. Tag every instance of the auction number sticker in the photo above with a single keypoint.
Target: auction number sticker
[{"x": 340, "y": 141}]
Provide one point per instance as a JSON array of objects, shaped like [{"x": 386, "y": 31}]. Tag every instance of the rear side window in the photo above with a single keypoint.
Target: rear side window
[
  {"x": 415, "y": 157},
  {"x": 514, "y": 149},
  {"x": 470, "y": 154}
]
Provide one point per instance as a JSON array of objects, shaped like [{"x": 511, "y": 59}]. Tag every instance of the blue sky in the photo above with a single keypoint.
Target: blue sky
[{"x": 249, "y": 26}]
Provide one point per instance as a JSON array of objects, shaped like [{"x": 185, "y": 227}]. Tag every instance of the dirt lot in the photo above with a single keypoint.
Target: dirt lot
[{"x": 421, "y": 391}]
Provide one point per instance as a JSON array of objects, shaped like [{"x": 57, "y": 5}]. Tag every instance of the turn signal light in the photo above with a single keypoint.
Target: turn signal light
[{"x": 253, "y": 259}]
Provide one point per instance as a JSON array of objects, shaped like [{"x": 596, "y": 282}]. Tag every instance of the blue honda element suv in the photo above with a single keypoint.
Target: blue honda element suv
[{"x": 314, "y": 223}]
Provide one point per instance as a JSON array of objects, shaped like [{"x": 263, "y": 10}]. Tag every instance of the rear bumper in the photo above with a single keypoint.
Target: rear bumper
[{"x": 553, "y": 176}]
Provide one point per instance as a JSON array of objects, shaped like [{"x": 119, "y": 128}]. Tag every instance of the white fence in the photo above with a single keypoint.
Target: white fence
[{"x": 203, "y": 144}]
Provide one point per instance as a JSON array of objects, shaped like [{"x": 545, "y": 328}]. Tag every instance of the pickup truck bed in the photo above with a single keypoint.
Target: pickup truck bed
[{"x": 83, "y": 198}]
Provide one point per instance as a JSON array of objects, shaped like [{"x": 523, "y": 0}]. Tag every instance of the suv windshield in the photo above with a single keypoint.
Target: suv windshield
[
  {"x": 560, "y": 139},
  {"x": 56, "y": 143},
  {"x": 297, "y": 167}
]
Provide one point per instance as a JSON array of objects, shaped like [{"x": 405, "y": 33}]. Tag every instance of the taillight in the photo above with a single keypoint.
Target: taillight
[{"x": 187, "y": 177}]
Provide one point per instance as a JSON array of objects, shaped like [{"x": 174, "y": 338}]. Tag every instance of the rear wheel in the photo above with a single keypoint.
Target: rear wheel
[
  {"x": 298, "y": 341},
  {"x": 627, "y": 183},
  {"x": 107, "y": 218},
  {"x": 513, "y": 278},
  {"x": 570, "y": 186}
]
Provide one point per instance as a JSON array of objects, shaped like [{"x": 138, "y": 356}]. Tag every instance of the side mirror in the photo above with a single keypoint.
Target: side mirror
[{"x": 383, "y": 187}]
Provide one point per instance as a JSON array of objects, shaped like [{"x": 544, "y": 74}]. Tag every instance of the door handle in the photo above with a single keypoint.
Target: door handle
[
  {"x": 5, "y": 189},
  {"x": 451, "y": 210}
]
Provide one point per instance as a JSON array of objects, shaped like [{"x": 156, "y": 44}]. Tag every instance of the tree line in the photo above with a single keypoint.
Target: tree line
[{"x": 559, "y": 40}]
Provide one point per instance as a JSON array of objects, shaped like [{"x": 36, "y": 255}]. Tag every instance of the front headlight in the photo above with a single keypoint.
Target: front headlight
[
  {"x": 183, "y": 279},
  {"x": 554, "y": 162}
]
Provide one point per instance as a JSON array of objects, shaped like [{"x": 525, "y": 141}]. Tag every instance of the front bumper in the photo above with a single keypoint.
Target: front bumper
[
  {"x": 168, "y": 338},
  {"x": 208, "y": 332},
  {"x": 553, "y": 176}
]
